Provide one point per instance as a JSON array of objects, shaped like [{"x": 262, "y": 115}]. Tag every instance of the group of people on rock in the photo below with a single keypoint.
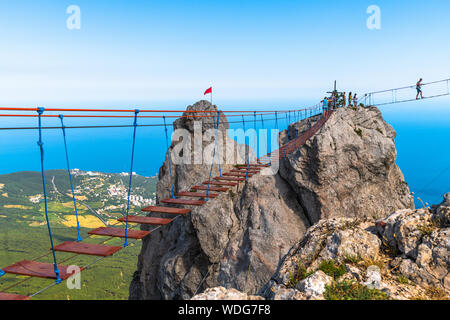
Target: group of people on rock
[
  {"x": 333, "y": 102},
  {"x": 341, "y": 100}
]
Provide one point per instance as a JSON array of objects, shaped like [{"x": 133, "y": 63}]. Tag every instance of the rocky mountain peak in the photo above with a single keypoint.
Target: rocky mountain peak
[{"x": 237, "y": 240}]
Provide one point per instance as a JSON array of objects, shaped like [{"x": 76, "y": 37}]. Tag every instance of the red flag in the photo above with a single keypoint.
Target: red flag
[{"x": 208, "y": 91}]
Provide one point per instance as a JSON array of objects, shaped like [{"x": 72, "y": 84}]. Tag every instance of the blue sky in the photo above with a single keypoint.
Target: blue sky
[{"x": 165, "y": 53}]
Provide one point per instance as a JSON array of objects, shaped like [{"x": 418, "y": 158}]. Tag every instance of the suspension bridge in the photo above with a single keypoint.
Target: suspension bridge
[{"x": 179, "y": 203}]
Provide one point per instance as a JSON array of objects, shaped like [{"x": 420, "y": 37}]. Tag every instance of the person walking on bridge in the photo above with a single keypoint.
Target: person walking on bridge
[
  {"x": 325, "y": 105},
  {"x": 333, "y": 100},
  {"x": 419, "y": 89}
]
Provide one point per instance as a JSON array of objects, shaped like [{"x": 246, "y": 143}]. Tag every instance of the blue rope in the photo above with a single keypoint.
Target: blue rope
[
  {"x": 125, "y": 244},
  {"x": 2, "y": 273},
  {"x": 170, "y": 166},
  {"x": 276, "y": 127},
  {"x": 243, "y": 124},
  {"x": 41, "y": 147},
  {"x": 214, "y": 155},
  {"x": 276, "y": 119},
  {"x": 217, "y": 131},
  {"x": 262, "y": 123},
  {"x": 79, "y": 239},
  {"x": 247, "y": 156},
  {"x": 256, "y": 132}
]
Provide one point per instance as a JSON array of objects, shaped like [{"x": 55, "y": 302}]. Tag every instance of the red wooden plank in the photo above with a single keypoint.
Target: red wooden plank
[
  {"x": 90, "y": 249},
  {"x": 38, "y": 269},
  {"x": 235, "y": 174},
  {"x": 252, "y": 165},
  {"x": 216, "y": 189},
  {"x": 119, "y": 233},
  {"x": 196, "y": 194},
  {"x": 10, "y": 296},
  {"x": 229, "y": 178},
  {"x": 244, "y": 171},
  {"x": 184, "y": 202},
  {"x": 167, "y": 210},
  {"x": 146, "y": 220},
  {"x": 218, "y": 183}
]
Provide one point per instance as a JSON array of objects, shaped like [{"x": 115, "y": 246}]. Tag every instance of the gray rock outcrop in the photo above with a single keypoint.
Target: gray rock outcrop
[
  {"x": 348, "y": 169},
  {"x": 405, "y": 255},
  {"x": 220, "y": 293},
  {"x": 238, "y": 239},
  {"x": 421, "y": 239}
]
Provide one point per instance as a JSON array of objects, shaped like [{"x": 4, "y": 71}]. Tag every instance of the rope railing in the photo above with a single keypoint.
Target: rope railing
[
  {"x": 315, "y": 114},
  {"x": 405, "y": 94}
]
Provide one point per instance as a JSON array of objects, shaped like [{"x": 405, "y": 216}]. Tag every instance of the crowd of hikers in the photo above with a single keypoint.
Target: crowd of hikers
[{"x": 339, "y": 99}]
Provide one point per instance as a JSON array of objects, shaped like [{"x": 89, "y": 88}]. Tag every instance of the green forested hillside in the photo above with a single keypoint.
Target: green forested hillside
[{"x": 24, "y": 234}]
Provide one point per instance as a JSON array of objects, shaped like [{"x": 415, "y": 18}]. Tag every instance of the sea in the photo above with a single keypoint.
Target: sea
[{"x": 423, "y": 145}]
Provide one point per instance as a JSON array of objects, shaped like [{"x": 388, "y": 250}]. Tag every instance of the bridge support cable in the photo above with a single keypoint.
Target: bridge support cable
[
  {"x": 125, "y": 244},
  {"x": 213, "y": 157},
  {"x": 63, "y": 128},
  {"x": 41, "y": 148},
  {"x": 170, "y": 158},
  {"x": 435, "y": 89},
  {"x": 220, "y": 146}
]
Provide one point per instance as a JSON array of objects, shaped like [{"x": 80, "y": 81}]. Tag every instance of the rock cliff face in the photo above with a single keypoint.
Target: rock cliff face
[
  {"x": 409, "y": 251},
  {"x": 238, "y": 239},
  {"x": 403, "y": 256},
  {"x": 348, "y": 169}
]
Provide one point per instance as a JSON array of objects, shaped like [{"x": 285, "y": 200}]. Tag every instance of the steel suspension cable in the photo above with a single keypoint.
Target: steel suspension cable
[
  {"x": 79, "y": 239},
  {"x": 41, "y": 147},
  {"x": 170, "y": 160},
  {"x": 125, "y": 244},
  {"x": 212, "y": 162},
  {"x": 220, "y": 145}
]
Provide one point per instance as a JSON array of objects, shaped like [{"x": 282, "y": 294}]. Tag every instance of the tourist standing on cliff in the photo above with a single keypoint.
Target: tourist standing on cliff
[
  {"x": 332, "y": 102},
  {"x": 355, "y": 101},
  {"x": 419, "y": 89},
  {"x": 325, "y": 104},
  {"x": 350, "y": 99},
  {"x": 344, "y": 97}
]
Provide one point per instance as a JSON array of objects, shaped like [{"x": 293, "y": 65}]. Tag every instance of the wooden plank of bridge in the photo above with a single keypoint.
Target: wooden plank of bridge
[
  {"x": 236, "y": 174},
  {"x": 168, "y": 210},
  {"x": 218, "y": 183},
  {"x": 184, "y": 202},
  {"x": 90, "y": 249},
  {"x": 216, "y": 189},
  {"x": 229, "y": 179},
  {"x": 38, "y": 270},
  {"x": 253, "y": 166},
  {"x": 244, "y": 171},
  {"x": 11, "y": 297},
  {"x": 197, "y": 194},
  {"x": 146, "y": 220},
  {"x": 119, "y": 233}
]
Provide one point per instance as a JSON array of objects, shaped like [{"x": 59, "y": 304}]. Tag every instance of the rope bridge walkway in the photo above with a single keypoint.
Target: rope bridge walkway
[
  {"x": 177, "y": 205},
  {"x": 434, "y": 89}
]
